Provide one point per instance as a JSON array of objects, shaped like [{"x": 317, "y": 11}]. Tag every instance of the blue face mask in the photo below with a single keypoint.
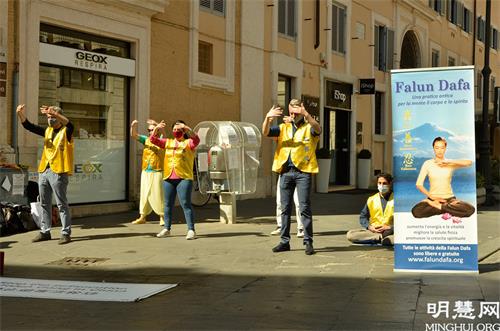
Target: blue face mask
[{"x": 383, "y": 188}]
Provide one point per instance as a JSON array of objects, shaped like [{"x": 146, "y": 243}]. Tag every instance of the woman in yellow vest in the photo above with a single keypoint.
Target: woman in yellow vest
[
  {"x": 177, "y": 173},
  {"x": 377, "y": 216},
  {"x": 55, "y": 166},
  {"x": 151, "y": 175}
]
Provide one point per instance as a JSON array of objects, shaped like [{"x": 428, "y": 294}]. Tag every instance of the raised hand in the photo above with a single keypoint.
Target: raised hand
[
  {"x": 275, "y": 111},
  {"x": 20, "y": 109}
]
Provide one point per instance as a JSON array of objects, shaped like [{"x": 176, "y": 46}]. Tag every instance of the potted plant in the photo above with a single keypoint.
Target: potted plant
[
  {"x": 324, "y": 157},
  {"x": 364, "y": 168}
]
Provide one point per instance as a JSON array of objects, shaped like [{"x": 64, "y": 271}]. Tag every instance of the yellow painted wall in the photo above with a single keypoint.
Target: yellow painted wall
[{"x": 171, "y": 96}]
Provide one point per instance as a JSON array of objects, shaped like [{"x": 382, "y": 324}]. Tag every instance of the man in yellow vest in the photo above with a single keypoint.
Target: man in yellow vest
[
  {"x": 377, "y": 216},
  {"x": 151, "y": 174},
  {"x": 295, "y": 161},
  {"x": 55, "y": 166}
]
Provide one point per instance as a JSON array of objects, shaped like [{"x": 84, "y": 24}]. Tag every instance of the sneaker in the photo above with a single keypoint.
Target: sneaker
[
  {"x": 41, "y": 237},
  {"x": 65, "y": 239},
  {"x": 281, "y": 248},
  {"x": 162, "y": 221},
  {"x": 163, "y": 233},
  {"x": 191, "y": 235},
  {"x": 276, "y": 231},
  {"x": 388, "y": 241},
  {"x": 140, "y": 220},
  {"x": 300, "y": 233},
  {"x": 309, "y": 249}
]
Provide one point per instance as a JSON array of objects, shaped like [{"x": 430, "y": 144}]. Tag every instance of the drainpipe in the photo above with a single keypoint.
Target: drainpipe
[
  {"x": 15, "y": 96},
  {"x": 316, "y": 41},
  {"x": 474, "y": 34}
]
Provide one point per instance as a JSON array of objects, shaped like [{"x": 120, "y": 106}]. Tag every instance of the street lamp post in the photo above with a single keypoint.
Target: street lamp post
[{"x": 484, "y": 143}]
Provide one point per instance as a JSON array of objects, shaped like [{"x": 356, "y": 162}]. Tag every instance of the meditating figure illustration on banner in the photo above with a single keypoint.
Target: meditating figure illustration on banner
[{"x": 440, "y": 198}]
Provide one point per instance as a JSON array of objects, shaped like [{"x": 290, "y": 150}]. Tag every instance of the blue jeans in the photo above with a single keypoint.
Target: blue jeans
[
  {"x": 182, "y": 188},
  {"x": 48, "y": 182},
  {"x": 288, "y": 182}
]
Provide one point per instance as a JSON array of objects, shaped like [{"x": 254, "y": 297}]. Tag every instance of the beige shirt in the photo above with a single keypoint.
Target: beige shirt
[{"x": 439, "y": 179}]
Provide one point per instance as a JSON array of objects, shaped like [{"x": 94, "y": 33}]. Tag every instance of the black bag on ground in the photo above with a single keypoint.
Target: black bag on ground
[{"x": 13, "y": 223}]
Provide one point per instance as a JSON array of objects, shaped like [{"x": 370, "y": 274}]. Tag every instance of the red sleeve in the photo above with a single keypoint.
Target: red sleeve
[
  {"x": 194, "y": 141},
  {"x": 158, "y": 141}
]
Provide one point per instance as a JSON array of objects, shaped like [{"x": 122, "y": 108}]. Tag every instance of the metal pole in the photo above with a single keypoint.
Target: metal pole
[
  {"x": 15, "y": 96},
  {"x": 484, "y": 143}
]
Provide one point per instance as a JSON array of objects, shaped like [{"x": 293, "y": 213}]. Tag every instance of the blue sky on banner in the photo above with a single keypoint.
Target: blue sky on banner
[{"x": 428, "y": 94}]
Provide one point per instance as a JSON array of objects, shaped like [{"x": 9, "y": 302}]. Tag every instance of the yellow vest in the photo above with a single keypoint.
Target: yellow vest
[
  {"x": 57, "y": 153},
  {"x": 301, "y": 147},
  {"x": 181, "y": 159},
  {"x": 379, "y": 217},
  {"x": 152, "y": 156}
]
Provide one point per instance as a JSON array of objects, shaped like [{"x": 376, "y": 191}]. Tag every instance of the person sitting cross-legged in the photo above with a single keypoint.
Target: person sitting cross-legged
[{"x": 377, "y": 216}]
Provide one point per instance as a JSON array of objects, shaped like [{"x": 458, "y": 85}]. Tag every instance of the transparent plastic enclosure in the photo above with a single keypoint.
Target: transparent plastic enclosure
[{"x": 227, "y": 158}]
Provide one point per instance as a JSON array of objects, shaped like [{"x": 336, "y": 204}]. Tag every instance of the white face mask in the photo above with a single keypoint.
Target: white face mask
[
  {"x": 383, "y": 188},
  {"x": 52, "y": 121}
]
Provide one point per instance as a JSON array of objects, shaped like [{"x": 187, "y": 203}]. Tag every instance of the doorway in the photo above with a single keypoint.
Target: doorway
[{"x": 338, "y": 129}]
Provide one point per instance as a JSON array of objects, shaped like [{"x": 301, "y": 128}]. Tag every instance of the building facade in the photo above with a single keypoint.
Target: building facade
[{"x": 107, "y": 62}]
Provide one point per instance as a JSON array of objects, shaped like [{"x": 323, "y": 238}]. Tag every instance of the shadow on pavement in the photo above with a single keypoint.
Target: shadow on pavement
[{"x": 488, "y": 267}]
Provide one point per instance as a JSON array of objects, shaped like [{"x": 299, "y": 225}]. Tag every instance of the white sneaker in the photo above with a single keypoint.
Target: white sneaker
[
  {"x": 300, "y": 233},
  {"x": 163, "y": 233},
  {"x": 191, "y": 235},
  {"x": 276, "y": 231}
]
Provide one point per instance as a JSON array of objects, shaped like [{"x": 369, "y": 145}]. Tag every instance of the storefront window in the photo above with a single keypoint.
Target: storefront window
[
  {"x": 91, "y": 86},
  {"x": 96, "y": 104}
]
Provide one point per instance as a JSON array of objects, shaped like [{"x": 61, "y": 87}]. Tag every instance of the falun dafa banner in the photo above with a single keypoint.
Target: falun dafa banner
[{"x": 435, "y": 218}]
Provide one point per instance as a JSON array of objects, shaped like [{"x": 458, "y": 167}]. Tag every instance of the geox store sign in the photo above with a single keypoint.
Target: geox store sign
[{"x": 75, "y": 58}]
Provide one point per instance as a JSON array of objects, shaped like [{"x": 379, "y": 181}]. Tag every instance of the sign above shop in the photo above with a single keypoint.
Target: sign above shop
[
  {"x": 367, "y": 86},
  {"x": 76, "y": 58},
  {"x": 338, "y": 95}
]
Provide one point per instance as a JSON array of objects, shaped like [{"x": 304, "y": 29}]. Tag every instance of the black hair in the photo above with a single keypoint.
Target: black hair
[
  {"x": 439, "y": 139},
  {"x": 178, "y": 122},
  {"x": 386, "y": 176}
]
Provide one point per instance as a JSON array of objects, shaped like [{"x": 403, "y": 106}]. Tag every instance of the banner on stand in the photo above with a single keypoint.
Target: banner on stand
[{"x": 435, "y": 218}]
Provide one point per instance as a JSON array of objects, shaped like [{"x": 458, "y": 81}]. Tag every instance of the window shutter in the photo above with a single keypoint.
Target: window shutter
[
  {"x": 430, "y": 3},
  {"x": 442, "y": 7},
  {"x": 341, "y": 28},
  {"x": 291, "y": 18},
  {"x": 335, "y": 28},
  {"x": 449, "y": 10},
  {"x": 495, "y": 38},
  {"x": 460, "y": 14},
  {"x": 390, "y": 49},
  {"x": 282, "y": 16},
  {"x": 382, "y": 49},
  {"x": 219, "y": 6},
  {"x": 205, "y": 4},
  {"x": 376, "y": 43}
]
